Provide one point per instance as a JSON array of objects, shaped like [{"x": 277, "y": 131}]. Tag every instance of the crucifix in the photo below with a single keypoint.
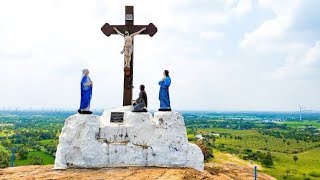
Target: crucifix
[{"x": 125, "y": 30}]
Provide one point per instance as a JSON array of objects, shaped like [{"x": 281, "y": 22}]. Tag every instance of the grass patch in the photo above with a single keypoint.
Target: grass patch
[
  {"x": 229, "y": 131},
  {"x": 297, "y": 124},
  {"x": 2, "y": 148},
  {"x": 47, "y": 159},
  {"x": 47, "y": 142},
  {"x": 252, "y": 139},
  {"x": 315, "y": 174},
  {"x": 307, "y": 164}
]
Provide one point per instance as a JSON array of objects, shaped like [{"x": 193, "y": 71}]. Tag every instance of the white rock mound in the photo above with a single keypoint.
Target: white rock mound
[{"x": 89, "y": 141}]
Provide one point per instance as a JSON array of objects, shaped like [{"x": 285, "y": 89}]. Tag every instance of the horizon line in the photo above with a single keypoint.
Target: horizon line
[{"x": 154, "y": 110}]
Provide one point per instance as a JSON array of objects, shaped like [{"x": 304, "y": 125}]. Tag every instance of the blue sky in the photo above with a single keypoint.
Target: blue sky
[{"x": 222, "y": 54}]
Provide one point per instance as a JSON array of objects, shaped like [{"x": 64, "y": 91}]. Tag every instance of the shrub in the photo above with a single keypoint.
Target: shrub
[
  {"x": 23, "y": 153},
  {"x": 36, "y": 160},
  {"x": 314, "y": 174},
  {"x": 267, "y": 162},
  {"x": 4, "y": 159},
  {"x": 245, "y": 157}
]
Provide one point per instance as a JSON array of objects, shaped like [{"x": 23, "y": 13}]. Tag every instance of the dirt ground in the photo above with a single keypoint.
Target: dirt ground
[{"x": 228, "y": 170}]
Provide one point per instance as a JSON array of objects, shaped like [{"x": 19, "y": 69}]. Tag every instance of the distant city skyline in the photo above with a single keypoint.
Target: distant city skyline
[{"x": 223, "y": 55}]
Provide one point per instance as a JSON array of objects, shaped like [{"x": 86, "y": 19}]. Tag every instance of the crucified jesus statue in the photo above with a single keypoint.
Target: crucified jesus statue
[{"x": 128, "y": 47}]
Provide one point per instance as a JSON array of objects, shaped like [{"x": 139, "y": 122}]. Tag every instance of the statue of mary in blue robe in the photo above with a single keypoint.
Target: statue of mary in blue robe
[
  {"x": 164, "y": 93},
  {"x": 86, "y": 91}
]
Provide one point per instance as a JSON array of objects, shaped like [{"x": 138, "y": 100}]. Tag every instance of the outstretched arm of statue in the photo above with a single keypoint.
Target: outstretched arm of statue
[
  {"x": 138, "y": 32},
  {"x": 114, "y": 28}
]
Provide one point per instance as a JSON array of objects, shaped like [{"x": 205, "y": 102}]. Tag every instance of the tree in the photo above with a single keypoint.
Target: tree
[
  {"x": 267, "y": 162},
  {"x": 4, "y": 159},
  {"x": 36, "y": 160},
  {"x": 7, "y": 144},
  {"x": 23, "y": 153},
  {"x": 295, "y": 158}
]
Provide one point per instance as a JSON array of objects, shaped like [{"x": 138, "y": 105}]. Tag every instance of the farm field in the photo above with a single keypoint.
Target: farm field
[
  {"x": 281, "y": 139},
  {"x": 255, "y": 140},
  {"x": 307, "y": 165},
  {"x": 297, "y": 124}
]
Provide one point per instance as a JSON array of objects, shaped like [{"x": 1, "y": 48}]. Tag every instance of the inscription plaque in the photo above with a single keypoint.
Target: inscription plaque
[{"x": 116, "y": 117}]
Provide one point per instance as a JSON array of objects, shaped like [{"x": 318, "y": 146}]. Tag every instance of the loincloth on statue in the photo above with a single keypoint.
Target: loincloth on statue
[{"x": 128, "y": 49}]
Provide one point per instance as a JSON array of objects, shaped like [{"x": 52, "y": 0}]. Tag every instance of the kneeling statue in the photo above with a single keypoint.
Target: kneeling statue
[{"x": 141, "y": 104}]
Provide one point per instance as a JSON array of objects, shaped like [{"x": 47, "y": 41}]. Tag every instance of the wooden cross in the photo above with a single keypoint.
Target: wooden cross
[{"x": 128, "y": 71}]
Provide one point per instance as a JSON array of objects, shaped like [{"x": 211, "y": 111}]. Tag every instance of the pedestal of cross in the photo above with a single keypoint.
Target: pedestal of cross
[{"x": 131, "y": 29}]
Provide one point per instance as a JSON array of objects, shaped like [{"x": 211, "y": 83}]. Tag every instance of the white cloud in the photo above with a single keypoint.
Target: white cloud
[
  {"x": 211, "y": 35},
  {"x": 272, "y": 29},
  {"x": 44, "y": 45},
  {"x": 300, "y": 65},
  {"x": 269, "y": 30},
  {"x": 276, "y": 36},
  {"x": 280, "y": 8},
  {"x": 243, "y": 7}
]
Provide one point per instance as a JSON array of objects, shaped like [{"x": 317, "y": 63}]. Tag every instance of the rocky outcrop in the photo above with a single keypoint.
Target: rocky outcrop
[{"x": 89, "y": 141}]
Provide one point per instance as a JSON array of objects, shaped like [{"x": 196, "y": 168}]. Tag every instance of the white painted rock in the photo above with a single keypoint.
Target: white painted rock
[{"x": 89, "y": 141}]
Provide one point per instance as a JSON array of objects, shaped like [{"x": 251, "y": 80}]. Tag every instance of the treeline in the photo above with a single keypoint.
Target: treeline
[
  {"x": 239, "y": 124},
  {"x": 306, "y": 135},
  {"x": 229, "y": 124}
]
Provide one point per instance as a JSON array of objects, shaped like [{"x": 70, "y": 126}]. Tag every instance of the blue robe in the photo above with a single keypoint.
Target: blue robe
[
  {"x": 86, "y": 94},
  {"x": 164, "y": 93}
]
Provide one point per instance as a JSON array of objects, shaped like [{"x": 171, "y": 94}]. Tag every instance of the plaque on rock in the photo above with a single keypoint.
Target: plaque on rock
[{"x": 116, "y": 117}]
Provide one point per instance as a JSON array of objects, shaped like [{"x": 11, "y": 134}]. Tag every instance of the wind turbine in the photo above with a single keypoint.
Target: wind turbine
[{"x": 301, "y": 108}]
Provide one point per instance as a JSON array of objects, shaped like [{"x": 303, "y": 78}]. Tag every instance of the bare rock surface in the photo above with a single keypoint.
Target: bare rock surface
[
  {"x": 211, "y": 171},
  {"x": 89, "y": 141}
]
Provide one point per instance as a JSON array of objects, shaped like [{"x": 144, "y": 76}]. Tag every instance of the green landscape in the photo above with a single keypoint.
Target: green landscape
[
  {"x": 282, "y": 145},
  {"x": 33, "y": 136}
]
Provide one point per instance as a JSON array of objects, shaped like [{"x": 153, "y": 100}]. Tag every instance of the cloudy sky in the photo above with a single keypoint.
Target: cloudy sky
[{"x": 221, "y": 54}]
